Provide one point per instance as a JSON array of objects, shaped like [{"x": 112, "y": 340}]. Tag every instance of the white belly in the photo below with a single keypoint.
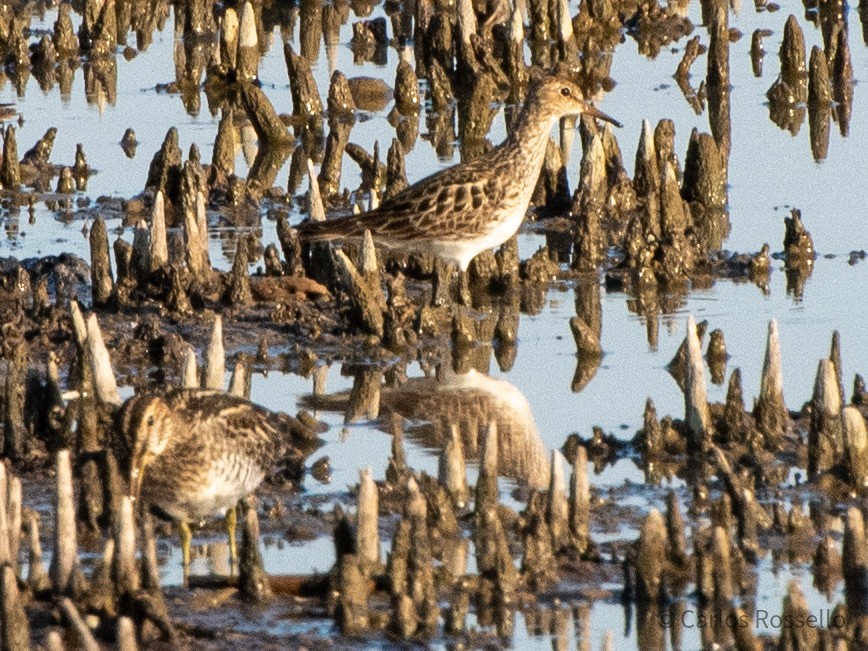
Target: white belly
[
  {"x": 462, "y": 252},
  {"x": 227, "y": 484}
]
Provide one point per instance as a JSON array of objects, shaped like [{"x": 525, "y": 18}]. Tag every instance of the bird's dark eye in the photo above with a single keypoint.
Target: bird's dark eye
[
  {"x": 566, "y": 92},
  {"x": 150, "y": 420}
]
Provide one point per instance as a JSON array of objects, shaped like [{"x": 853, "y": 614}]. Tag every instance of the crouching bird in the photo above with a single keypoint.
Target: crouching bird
[{"x": 190, "y": 454}]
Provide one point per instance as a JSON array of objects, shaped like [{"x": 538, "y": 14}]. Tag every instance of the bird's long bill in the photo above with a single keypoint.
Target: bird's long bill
[
  {"x": 137, "y": 473},
  {"x": 594, "y": 112}
]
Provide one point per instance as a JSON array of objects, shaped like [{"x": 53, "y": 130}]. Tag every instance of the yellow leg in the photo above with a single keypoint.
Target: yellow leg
[
  {"x": 186, "y": 539},
  {"x": 231, "y": 526}
]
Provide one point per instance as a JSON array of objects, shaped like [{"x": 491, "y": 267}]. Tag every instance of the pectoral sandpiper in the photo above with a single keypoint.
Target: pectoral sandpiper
[
  {"x": 463, "y": 210},
  {"x": 194, "y": 453}
]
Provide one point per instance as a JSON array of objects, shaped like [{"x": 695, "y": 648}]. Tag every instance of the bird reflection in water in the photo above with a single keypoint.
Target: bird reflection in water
[{"x": 469, "y": 401}]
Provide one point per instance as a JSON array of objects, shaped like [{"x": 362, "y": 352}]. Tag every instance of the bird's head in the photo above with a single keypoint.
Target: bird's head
[
  {"x": 559, "y": 97},
  {"x": 145, "y": 424}
]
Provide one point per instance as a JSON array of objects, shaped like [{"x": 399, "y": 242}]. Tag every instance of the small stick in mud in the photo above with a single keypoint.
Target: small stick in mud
[
  {"x": 696, "y": 412},
  {"x": 238, "y": 293},
  {"x": 252, "y": 580},
  {"x": 196, "y": 238},
  {"x": 14, "y": 518},
  {"x": 125, "y": 571},
  {"x": 855, "y": 563},
  {"x": 369, "y": 268},
  {"x": 229, "y": 37},
  {"x": 496, "y": 567},
  {"x": 406, "y": 89},
  {"x": 102, "y": 283},
  {"x": 123, "y": 251},
  {"x": 557, "y": 508},
  {"x": 364, "y": 402},
  {"x": 164, "y": 173},
  {"x": 704, "y": 179},
  {"x": 589, "y": 247},
  {"x": 14, "y": 627},
  {"x": 159, "y": 247},
  {"x": 306, "y": 99},
  {"x": 487, "y": 492},
  {"x": 103, "y": 376},
  {"x": 367, "y": 533},
  {"x": 151, "y": 598},
  {"x": 650, "y": 557},
  {"x": 538, "y": 564},
  {"x": 587, "y": 341},
  {"x": 223, "y": 154},
  {"x": 397, "y": 469},
  {"x": 842, "y": 76},
  {"x": 189, "y": 369},
  {"x": 716, "y": 355},
  {"x": 141, "y": 259},
  {"x": 793, "y": 60},
  {"x": 796, "y": 609},
  {"x": 720, "y": 552},
  {"x": 316, "y": 209},
  {"x": 674, "y": 215},
  {"x": 239, "y": 383},
  {"x": 835, "y": 356},
  {"x": 84, "y": 638},
  {"x": 340, "y": 98},
  {"x": 646, "y": 175},
  {"x": 770, "y": 411},
  {"x": 5, "y": 537},
  {"x": 54, "y": 642},
  {"x": 247, "y": 60},
  {"x": 40, "y": 153},
  {"x": 215, "y": 358},
  {"x": 352, "y": 611},
  {"x": 129, "y": 143},
  {"x": 10, "y": 172},
  {"x": 65, "y": 182},
  {"x": 291, "y": 247},
  {"x": 126, "y": 635},
  {"x": 452, "y": 472},
  {"x": 855, "y": 447},
  {"x": 396, "y": 172},
  {"x": 367, "y": 303},
  {"x": 14, "y": 443},
  {"x": 331, "y": 166},
  {"x": 37, "y": 579},
  {"x": 676, "y": 536},
  {"x": 827, "y": 565},
  {"x": 64, "y": 570},
  {"x": 580, "y": 501},
  {"x": 825, "y": 435},
  {"x": 568, "y": 49},
  {"x": 64, "y": 38}
]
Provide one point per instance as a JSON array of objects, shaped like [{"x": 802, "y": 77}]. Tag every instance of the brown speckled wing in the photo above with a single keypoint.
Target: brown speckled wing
[{"x": 448, "y": 205}]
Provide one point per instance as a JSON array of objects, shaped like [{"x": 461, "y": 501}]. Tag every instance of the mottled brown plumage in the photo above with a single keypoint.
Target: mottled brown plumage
[
  {"x": 460, "y": 211},
  {"x": 193, "y": 453}
]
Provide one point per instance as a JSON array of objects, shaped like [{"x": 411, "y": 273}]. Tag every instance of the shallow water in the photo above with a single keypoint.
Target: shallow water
[{"x": 770, "y": 171}]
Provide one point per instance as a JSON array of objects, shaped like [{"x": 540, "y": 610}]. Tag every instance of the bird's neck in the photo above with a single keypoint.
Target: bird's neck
[{"x": 528, "y": 140}]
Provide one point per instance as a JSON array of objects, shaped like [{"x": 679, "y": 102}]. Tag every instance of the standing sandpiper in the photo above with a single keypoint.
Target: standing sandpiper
[
  {"x": 463, "y": 210},
  {"x": 194, "y": 453}
]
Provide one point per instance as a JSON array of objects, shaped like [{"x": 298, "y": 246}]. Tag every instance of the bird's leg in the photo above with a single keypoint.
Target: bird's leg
[
  {"x": 186, "y": 539},
  {"x": 231, "y": 526}
]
